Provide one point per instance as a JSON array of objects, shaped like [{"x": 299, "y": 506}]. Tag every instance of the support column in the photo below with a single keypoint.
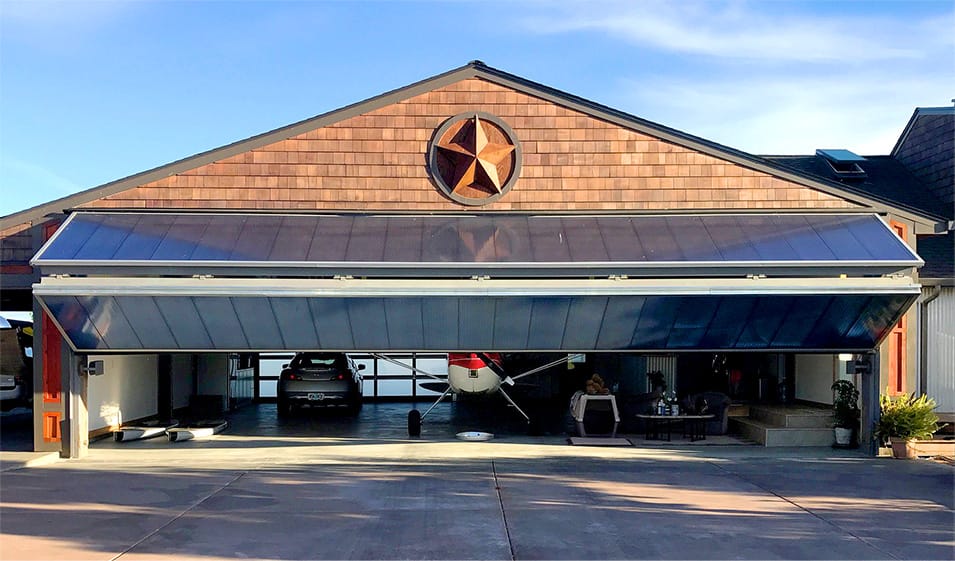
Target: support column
[
  {"x": 76, "y": 422},
  {"x": 869, "y": 392},
  {"x": 47, "y": 382}
]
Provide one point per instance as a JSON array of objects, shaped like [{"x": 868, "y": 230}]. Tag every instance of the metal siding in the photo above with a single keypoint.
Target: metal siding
[
  {"x": 110, "y": 322},
  {"x": 495, "y": 242},
  {"x": 941, "y": 350},
  {"x": 146, "y": 321},
  {"x": 440, "y": 323},
  {"x": 73, "y": 318},
  {"x": 295, "y": 323},
  {"x": 179, "y": 313},
  {"x": 368, "y": 326},
  {"x": 331, "y": 322},
  {"x": 476, "y": 323},
  {"x": 257, "y": 322},
  {"x": 692, "y": 320},
  {"x": 512, "y": 322},
  {"x": 405, "y": 323},
  {"x": 620, "y": 322},
  {"x": 222, "y": 323},
  {"x": 584, "y": 320},
  {"x": 548, "y": 321}
]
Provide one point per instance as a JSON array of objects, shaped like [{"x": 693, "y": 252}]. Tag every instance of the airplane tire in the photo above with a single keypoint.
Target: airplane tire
[{"x": 414, "y": 423}]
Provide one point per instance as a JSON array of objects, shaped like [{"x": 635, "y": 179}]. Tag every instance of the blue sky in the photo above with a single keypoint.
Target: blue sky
[{"x": 91, "y": 92}]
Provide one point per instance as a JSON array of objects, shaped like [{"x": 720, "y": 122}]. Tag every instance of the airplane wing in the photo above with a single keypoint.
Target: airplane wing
[{"x": 434, "y": 386}]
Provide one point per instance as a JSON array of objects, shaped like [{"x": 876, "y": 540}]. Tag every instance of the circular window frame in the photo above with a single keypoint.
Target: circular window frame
[{"x": 433, "y": 158}]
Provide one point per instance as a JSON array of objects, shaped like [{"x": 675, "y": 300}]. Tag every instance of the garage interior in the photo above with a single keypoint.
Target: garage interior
[{"x": 185, "y": 309}]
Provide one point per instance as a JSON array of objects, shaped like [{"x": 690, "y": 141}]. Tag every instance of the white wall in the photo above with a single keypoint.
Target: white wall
[
  {"x": 940, "y": 359},
  {"x": 814, "y": 377},
  {"x": 126, "y": 390}
]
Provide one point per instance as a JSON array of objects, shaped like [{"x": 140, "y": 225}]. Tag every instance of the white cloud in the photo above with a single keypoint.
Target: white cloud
[
  {"x": 780, "y": 114},
  {"x": 752, "y": 32},
  {"x": 774, "y": 77}
]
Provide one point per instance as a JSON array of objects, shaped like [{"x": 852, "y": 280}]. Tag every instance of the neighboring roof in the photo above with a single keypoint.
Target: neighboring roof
[
  {"x": 939, "y": 255},
  {"x": 477, "y": 69},
  {"x": 927, "y": 148},
  {"x": 886, "y": 178},
  {"x": 919, "y": 112}
]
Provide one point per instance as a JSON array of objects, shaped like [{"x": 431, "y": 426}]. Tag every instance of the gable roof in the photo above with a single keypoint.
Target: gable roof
[
  {"x": 477, "y": 69},
  {"x": 919, "y": 112}
]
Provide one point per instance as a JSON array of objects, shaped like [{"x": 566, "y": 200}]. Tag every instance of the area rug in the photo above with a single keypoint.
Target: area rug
[{"x": 598, "y": 441}]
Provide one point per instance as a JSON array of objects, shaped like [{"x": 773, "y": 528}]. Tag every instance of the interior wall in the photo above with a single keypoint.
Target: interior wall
[
  {"x": 814, "y": 377},
  {"x": 213, "y": 376},
  {"x": 183, "y": 380},
  {"x": 126, "y": 390}
]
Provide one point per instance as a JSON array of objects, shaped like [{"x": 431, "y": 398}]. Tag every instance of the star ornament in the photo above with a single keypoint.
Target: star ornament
[{"x": 474, "y": 158}]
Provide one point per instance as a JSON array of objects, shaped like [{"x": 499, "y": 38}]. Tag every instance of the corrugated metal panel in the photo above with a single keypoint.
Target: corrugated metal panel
[
  {"x": 941, "y": 350},
  {"x": 666, "y": 365}
]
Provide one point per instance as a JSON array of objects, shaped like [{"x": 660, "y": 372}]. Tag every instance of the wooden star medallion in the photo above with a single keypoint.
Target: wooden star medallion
[{"x": 474, "y": 158}]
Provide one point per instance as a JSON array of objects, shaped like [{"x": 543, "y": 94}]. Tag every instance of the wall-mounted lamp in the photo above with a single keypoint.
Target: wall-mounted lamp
[{"x": 94, "y": 368}]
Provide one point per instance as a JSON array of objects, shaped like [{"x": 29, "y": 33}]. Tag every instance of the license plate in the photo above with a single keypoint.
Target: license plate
[{"x": 316, "y": 396}]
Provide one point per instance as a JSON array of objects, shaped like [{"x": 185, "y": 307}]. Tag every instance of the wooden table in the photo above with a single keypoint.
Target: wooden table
[{"x": 694, "y": 426}]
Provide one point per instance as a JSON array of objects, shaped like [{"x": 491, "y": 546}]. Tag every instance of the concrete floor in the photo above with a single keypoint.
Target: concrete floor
[{"x": 313, "y": 488}]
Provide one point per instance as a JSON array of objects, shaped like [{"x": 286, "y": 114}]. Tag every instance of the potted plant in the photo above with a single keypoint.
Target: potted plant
[
  {"x": 845, "y": 412},
  {"x": 903, "y": 420}
]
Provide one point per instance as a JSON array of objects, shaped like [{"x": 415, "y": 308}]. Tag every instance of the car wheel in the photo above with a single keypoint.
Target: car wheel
[{"x": 284, "y": 408}]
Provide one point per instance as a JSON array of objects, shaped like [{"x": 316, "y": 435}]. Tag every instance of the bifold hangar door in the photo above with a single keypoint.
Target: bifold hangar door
[{"x": 155, "y": 281}]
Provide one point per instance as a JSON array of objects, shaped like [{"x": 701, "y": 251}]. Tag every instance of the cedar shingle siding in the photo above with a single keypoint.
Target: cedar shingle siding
[{"x": 376, "y": 162}]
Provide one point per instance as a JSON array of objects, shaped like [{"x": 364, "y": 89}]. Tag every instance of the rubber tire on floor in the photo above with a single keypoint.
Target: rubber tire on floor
[
  {"x": 283, "y": 408},
  {"x": 414, "y": 423}
]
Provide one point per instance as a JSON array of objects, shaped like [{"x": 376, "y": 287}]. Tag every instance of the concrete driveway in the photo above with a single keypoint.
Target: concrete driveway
[{"x": 338, "y": 497}]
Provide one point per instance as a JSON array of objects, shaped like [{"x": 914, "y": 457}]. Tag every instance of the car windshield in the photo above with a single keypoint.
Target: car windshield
[{"x": 318, "y": 361}]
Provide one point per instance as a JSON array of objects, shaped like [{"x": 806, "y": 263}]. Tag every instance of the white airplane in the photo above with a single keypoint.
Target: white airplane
[{"x": 471, "y": 374}]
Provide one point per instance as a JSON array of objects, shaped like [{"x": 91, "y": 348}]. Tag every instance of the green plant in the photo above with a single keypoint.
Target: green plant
[
  {"x": 906, "y": 417},
  {"x": 657, "y": 381},
  {"x": 845, "y": 405}
]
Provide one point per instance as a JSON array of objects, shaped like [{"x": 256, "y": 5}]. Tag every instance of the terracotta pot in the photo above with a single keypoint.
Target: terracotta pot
[{"x": 903, "y": 449}]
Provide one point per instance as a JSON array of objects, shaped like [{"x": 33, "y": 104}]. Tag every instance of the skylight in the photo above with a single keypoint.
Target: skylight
[{"x": 844, "y": 162}]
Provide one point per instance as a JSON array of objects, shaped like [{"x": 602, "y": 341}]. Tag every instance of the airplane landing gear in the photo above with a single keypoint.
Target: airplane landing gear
[{"x": 414, "y": 423}]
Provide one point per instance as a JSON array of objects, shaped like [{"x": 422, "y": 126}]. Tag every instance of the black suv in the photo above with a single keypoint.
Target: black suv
[{"x": 320, "y": 380}]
